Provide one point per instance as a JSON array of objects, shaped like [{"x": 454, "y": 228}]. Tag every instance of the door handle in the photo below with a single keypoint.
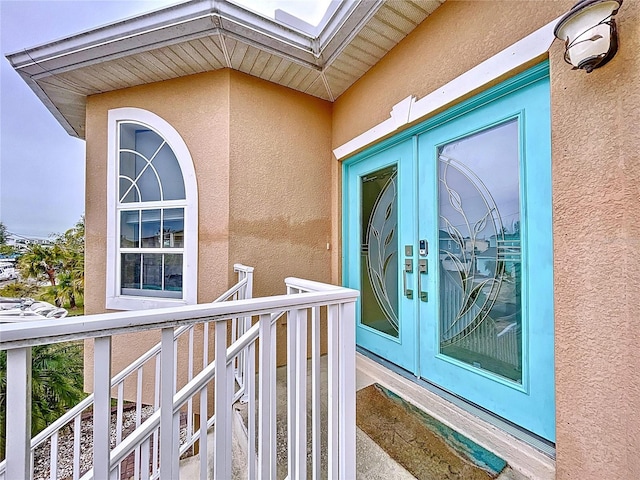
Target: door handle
[
  {"x": 422, "y": 268},
  {"x": 408, "y": 268}
]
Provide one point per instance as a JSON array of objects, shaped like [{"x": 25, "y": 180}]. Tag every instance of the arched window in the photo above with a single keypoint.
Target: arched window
[{"x": 152, "y": 213}]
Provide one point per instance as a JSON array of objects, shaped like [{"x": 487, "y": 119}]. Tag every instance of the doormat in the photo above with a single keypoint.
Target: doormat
[{"x": 427, "y": 448}]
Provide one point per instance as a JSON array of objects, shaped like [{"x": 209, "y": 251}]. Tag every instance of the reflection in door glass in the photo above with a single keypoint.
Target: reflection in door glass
[
  {"x": 479, "y": 251},
  {"x": 379, "y": 252}
]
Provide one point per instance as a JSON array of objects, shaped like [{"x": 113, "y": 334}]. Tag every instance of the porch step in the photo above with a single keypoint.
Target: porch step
[
  {"x": 426, "y": 447},
  {"x": 372, "y": 461},
  {"x": 524, "y": 462},
  {"x": 190, "y": 466}
]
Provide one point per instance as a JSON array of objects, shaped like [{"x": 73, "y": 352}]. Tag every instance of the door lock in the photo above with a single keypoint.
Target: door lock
[
  {"x": 424, "y": 248},
  {"x": 422, "y": 266}
]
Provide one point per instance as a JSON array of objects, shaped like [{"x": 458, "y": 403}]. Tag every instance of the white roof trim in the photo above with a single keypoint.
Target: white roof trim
[
  {"x": 177, "y": 25},
  {"x": 409, "y": 110}
]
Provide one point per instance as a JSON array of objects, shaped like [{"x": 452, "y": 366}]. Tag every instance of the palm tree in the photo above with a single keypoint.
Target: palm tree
[
  {"x": 57, "y": 385},
  {"x": 71, "y": 270},
  {"x": 62, "y": 264},
  {"x": 40, "y": 262}
]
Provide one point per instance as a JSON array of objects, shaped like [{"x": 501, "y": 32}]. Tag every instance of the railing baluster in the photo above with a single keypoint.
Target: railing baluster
[
  {"x": 156, "y": 406},
  {"x": 18, "y": 426},
  {"x": 272, "y": 439},
  {"x": 136, "y": 468},
  {"x": 205, "y": 344},
  {"x": 266, "y": 447},
  {"x": 144, "y": 460},
  {"x": 101, "y": 406},
  {"x": 53, "y": 456},
  {"x": 250, "y": 396},
  {"x": 167, "y": 390},
  {"x": 204, "y": 415},
  {"x": 315, "y": 394},
  {"x": 333, "y": 390},
  {"x": 190, "y": 376},
  {"x": 77, "y": 426},
  {"x": 347, "y": 374},
  {"x": 292, "y": 387},
  {"x": 300, "y": 449},
  {"x": 120, "y": 403},
  {"x": 222, "y": 403}
]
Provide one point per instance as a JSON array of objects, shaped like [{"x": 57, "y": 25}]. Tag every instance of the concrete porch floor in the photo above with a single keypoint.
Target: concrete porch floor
[{"x": 372, "y": 462}]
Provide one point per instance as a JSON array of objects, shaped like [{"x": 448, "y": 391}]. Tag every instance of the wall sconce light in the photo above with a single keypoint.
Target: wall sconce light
[{"x": 589, "y": 32}]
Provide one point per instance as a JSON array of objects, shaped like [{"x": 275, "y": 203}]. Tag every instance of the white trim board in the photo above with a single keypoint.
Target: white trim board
[{"x": 410, "y": 109}]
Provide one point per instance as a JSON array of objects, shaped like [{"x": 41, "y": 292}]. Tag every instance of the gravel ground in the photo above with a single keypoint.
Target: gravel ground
[{"x": 41, "y": 469}]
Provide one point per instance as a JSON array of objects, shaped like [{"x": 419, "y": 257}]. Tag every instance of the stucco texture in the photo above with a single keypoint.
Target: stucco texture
[
  {"x": 198, "y": 108},
  {"x": 280, "y": 158},
  {"x": 596, "y": 199},
  {"x": 280, "y": 166},
  {"x": 453, "y": 39},
  {"x": 262, "y": 156}
]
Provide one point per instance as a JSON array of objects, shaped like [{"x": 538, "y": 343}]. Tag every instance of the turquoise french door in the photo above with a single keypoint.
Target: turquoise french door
[
  {"x": 379, "y": 190},
  {"x": 448, "y": 237}
]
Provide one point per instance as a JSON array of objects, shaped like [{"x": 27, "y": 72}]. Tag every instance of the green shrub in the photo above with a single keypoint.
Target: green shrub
[{"x": 57, "y": 373}]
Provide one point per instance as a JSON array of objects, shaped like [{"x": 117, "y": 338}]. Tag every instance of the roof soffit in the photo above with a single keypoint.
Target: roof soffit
[{"x": 205, "y": 35}]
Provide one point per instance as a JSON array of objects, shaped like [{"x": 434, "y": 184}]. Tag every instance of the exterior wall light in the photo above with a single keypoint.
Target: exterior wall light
[{"x": 589, "y": 32}]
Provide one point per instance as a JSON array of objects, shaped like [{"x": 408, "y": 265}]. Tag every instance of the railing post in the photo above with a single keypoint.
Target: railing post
[
  {"x": 266, "y": 402},
  {"x": 316, "y": 444},
  {"x": 18, "y": 426},
  {"x": 347, "y": 366},
  {"x": 297, "y": 393},
  {"x": 167, "y": 434},
  {"x": 223, "y": 383},
  {"x": 101, "y": 406},
  {"x": 333, "y": 388}
]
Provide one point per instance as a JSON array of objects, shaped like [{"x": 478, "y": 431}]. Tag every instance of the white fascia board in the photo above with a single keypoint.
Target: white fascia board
[
  {"x": 264, "y": 39},
  {"x": 156, "y": 29},
  {"x": 345, "y": 24},
  {"x": 130, "y": 27},
  {"x": 523, "y": 51}
]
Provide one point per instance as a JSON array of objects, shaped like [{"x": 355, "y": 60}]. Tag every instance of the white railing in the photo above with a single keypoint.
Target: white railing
[
  {"x": 233, "y": 361},
  {"x": 69, "y": 463}
]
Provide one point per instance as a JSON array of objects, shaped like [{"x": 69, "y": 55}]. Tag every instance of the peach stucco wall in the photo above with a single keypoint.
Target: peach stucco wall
[
  {"x": 262, "y": 156},
  {"x": 198, "y": 108},
  {"x": 596, "y": 200},
  {"x": 455, "y": 38},
  {"x": 280, "y": 165}
]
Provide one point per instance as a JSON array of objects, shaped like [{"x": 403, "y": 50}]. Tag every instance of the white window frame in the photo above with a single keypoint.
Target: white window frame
[{"x": 114, "y": 300}]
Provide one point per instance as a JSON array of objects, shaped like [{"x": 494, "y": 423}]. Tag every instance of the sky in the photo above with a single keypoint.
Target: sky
[{"x": 42, "y": 168}]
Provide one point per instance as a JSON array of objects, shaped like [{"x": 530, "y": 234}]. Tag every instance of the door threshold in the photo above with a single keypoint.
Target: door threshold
[{"x": 524, "y": 452}]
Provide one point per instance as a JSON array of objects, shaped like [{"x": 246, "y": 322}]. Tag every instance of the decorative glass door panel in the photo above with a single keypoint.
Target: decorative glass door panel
[
  {"x": 379, "y": 203},
  {"x": 479, "y": 250}
]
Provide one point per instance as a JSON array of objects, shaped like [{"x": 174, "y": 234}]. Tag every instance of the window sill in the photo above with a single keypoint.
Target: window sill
[{"x": 142, "y": 303}]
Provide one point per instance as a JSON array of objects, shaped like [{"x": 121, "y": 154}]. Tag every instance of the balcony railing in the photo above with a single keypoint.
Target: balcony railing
[
  {"x": 155, "y": 442},
  {"x": 134, "y": 374}
]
